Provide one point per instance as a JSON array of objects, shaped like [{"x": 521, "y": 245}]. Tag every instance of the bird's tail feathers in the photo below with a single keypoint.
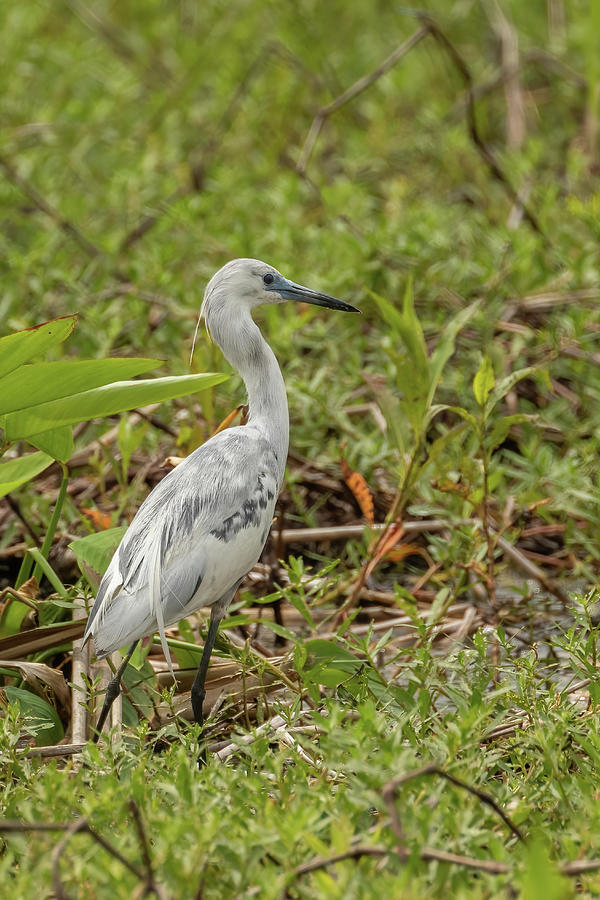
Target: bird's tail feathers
[{"x": 154, "y": 585}]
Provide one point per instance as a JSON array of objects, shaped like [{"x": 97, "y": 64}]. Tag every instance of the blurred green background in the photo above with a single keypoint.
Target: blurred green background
[{"x": 145, "y": 144}]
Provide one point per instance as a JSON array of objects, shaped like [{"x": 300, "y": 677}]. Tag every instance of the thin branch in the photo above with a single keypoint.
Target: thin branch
[
  {"x": 57, "y": 750},
  {"x": 343, "y": 532},
  {"x": 59, "y": 888},
  {"x": 150, "y": 883},
  {"x": 390, "y": 791},
  {"x": 44, "y": 206},
  {"x": 198, "y": 164},
  {"x": 483, "y": 865},
  {"x": 580, "y": 866},
  {"x": 358, "y": 850},
  {"x": 14, "y": 826},
  {"x": 353, "y": 91},
  {"x": 484, "y": 151}
]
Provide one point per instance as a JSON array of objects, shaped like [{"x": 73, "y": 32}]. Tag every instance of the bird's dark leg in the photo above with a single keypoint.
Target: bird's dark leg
[
  {"x": 113, "y": 690},
  {"x": 198, "y": 688}
]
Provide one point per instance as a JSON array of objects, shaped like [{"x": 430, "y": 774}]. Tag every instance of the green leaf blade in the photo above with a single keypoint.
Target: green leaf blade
[
  {"x": 484, "y": 381},
  {"x": 104, "y": 401},
  {"x": 58, "y": 443},
  {"x": 41, "y": 382},
  {"x": 18, "y": 348},
  {"x": 16, "y": 472}
]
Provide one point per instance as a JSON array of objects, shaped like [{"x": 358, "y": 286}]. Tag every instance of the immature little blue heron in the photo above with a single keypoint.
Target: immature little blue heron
[{"x": 203, "y": 527}]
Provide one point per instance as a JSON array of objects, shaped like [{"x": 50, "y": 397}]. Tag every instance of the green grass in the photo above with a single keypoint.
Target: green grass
[
  {"x": 243, "y": 827},
  {"x": 191, "y": 117}
]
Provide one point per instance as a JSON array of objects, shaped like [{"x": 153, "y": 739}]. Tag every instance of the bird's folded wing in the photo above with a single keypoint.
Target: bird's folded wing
[{"x": 224, "y": 487}]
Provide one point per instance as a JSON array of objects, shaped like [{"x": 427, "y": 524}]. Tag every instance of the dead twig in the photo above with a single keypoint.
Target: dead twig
[
  {"x": 150, "y": 885},
  {"x": 530, "y": 568},
  {"x": 44, "y": 206},
  {"x": 57, "y": 750},
  {"x": 390, "y": 792},
  {"x": 350, "y": 93},
  {"x": 59, "y": 888},
  {"x": 343, "y": 532},
  {"x": 358, "y": 850},
  {"x": 482, "y": 148},
  {"x": 13, "y": 826}
]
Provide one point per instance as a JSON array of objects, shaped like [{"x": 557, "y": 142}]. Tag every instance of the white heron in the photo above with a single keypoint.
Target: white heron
[{"x": 203, "y": 527}]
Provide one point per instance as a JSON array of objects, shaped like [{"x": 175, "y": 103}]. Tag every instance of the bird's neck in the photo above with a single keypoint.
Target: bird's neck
[{"x": 247, "y": 351}]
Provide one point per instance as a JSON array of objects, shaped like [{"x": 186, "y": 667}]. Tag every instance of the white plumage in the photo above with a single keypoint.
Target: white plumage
[{"x": 204, "y": 526}]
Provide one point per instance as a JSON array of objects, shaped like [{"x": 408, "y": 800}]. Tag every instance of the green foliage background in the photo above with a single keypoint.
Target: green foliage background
[{"x": 144, "y": 144}]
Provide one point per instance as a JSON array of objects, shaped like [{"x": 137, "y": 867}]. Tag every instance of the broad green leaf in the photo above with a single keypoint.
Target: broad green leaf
[
  {"x": 17, "y": 471},
  {"x": 97, "y": 550},
  {"x": 328, "y": 663},
  {"x": 406, "y": 327},
  {"x": 437, "y": 446},
  {"x": 506, "y": 384},
  {"x": 445, "y": 346},
  {"x": 58, "y": 443},
  {"x": 413, "y": 336},
  {"x": 483, "y": 381},
  {"x": 136, "y": 696},
  {"x": 466, "y": 415},
  {"x": 18, "y": 348},
  {"x": 11, "y": 618},
  {"x": 42, "y": 718},
  {"x": 104, "y": 401},
  {"x": 37, "y": 383},
  {"x": 541, "y": 879},
  {"x": 502, "y": 427},
  {"x": 392, "y": 410}
]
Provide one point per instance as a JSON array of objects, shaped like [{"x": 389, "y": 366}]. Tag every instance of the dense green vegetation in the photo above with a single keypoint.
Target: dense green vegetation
[{"x": 144, "y": 145}]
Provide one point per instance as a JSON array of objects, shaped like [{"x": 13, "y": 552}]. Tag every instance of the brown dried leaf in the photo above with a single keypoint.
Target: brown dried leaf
[
  {"x": 16, "y": 646},
  {"x": 232, "y": 416},
  {"x": 30, "y": 589},
  {"x": 390, "y": 540},
  {"x": 34, "y": 672},
  {"x": 101, "y": 521},
  {"x": 360, "y": 489}
]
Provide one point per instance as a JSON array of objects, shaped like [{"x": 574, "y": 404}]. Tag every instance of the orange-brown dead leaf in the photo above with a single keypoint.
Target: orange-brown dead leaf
[
  {"x": 397, "y": 554},
  {"x": 360, "y": 489},
  {"x": 229, "y": 419},
  {"x": 390, "y": 540},
  {"x": 532, "y": 508},
  {"x": 99, "y": 520},
  {"x": 30, "y": 588}
]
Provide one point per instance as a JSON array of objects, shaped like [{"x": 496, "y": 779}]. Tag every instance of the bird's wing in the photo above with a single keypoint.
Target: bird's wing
[{"x": 224, "y": 487}]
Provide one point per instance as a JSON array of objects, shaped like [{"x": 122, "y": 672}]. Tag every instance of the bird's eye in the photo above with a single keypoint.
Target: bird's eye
[{"x": 268, "y": 278}]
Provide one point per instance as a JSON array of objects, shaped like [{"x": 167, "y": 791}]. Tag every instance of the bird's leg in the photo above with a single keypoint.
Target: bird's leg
[
  {"x": 198, "y": 688},
  {"x": 113, "y": 690}
]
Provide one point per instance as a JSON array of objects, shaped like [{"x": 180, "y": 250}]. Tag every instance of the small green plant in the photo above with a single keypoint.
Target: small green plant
[
  {"x": 409, "y": 407},
  {"x": 490, "y": 432},
  {"x": 41, "y": 401}
]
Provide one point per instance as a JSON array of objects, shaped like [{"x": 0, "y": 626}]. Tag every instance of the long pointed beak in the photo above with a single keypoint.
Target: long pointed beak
[{"x": 293, "y": 291}]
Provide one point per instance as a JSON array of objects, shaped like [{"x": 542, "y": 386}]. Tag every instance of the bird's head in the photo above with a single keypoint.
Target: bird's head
[
  {"x": 241, "y": 285},
  {"x": 250, "y": 282}
]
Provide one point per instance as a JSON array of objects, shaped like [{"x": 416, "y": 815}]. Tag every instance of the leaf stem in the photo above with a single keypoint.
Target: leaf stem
[{"x": 38, "y": 571}]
